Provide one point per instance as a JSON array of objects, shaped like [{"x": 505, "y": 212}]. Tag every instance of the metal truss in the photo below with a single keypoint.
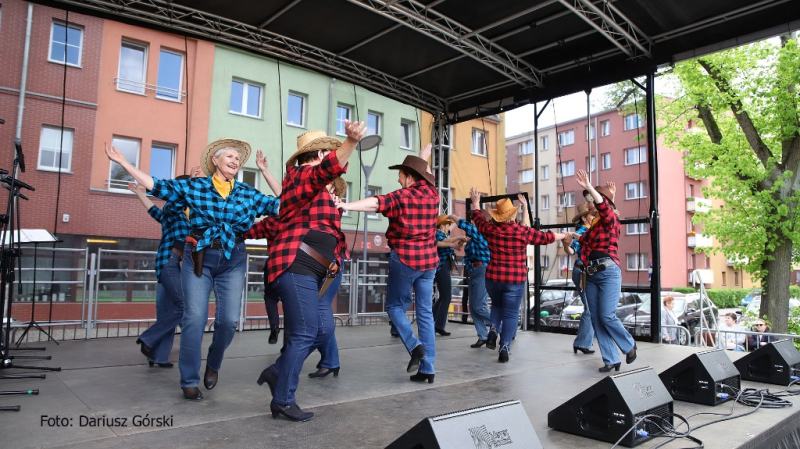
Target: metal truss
[
  {"x": 613, "y": 25},
  {"x": 217, "y": 28},
  {"x": 440, "y": 161},
  {"x": 437, "y": 26}
]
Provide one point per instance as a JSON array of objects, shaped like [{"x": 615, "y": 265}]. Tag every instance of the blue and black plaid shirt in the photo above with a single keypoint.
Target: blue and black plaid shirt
[
  {"x": 218, "y": 218},
  {"x": 477, "y": 249},
  {"x": 444, "y": 253},
  {"x": 576, "y": 243},
  {"x": 174, "y": 228}
]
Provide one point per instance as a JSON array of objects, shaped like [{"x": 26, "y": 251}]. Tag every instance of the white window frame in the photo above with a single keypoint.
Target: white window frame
[
  {"x": 545, "y": 261},
  {"x": 478, "y": 142},
  {"x": 636, "y": 228},
  {"x": 641, "y": 190},
  {"x": 79, "y": 46},
  {"x": 246, "y": 99},
  {"x": 166, "y": 146},
  {"x": 566, "y": 199},
  {"x": 66, "y": 153},
  {"x": 379, "y": 118},
  {"x": 124, "y": 188},
  {"x": 603, "y": 158},
  {"x": 346, "y": 198},
  {"x": 407, "y": 134},
  {"x": 591, "y": 163},
  {"x": 545, "y": 202},
  {"x": 303, "y": 107},
  {"x": 376, "y": 191},
  {"x": 563, "y": 262},
  {"x": 340, "y": 126},
  {"x": 545, "y": 172},
  {"x": 636, "y": 261},
  {"x": 256, "y": 177},
  {"x": 133, "y": 86},
  {"x": 526, "y": 176},
  {"x": 591, "y": 133},
  {"x": 629, "y": 122},
  {"x": 640, "y": 156},
  {"x": 526, "y": 147},
  {"x": 180, "y": 77},
  {"x": 605, "y": 128},
  {"x": 545, "y": 141},
  {"x": 566, "y": 138},
  {"x": 567, "y": 168}
]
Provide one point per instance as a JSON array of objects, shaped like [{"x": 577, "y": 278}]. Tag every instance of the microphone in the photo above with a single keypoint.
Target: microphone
[
  {"x": 2, "y": 122},
  {"x": 5, "y": 179},
  {"x": 20, "y": 156},
  {"x": 19, "y": 194}
]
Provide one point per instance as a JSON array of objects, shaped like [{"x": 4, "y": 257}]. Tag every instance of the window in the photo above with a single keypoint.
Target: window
[
  {"x": 545, "y": 172},
  {"x": 566, "y": 199},
  {"x": 593, "y": 162},
  {"x": 637, "y": 261},
  {"x": 735, "y": 278},
  {"x": 590, "y": 132},
  {"x": 373, "y": 191},
  {"x": 162, "y": 161},
  {"x": 545, "y": 261},
  {"x": 526, "y": 147},
  {"x": 605, "y": 128},
  {"x": 635, "y": 155},
  {"x": 563, "y": 263},
  {"x": 249, "y": 176},
  {"x": 170, "y": 76},
  {"x": 635, "y": 190},
  {"x": 118, "y": 178},
  {"x": 606, "y": 158},
  {"x": 296, "y": 110},
  {"x": 526, "y": 176},
  {"x": 633, "y": 121},
  {"x": 374, "y": 124},
  {"x": 636, "y": 228},
  {"x": 66, "y": 42},
  {"x": 545, "y": 202},
  {"x": 566, "y": 138},
  {"x": 347, "y": 198},
  {"x": 132, "y": 68},
  {"x": 545, "y": 143},
  {"x": 692, "y": 261},
  {"x": 342, "y": 114},
  {"x": 405, "y": 134},
  {"x": 567, "y": 168},
  {"x": 691, "y": 190},
  {"x": 478, "y": 142},
  {"x": 245, "y": 99},
  {"x": 51, "y": 145},
  {"x": 724, "y": 279}
]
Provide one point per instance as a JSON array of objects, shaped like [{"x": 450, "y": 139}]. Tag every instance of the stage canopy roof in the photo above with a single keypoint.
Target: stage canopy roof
[{"x": 466, "y": 58}]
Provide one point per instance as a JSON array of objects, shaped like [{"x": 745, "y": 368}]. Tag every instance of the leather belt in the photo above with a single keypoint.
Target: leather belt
[
  {"x": 597, "y": 265},
  {"x": 315, "y": 255},
  {"x": 332, "y": 267},
  {"x": 177, "y": 251},
  {"x": 476, "y": 264},
  {"x": 217, "y": 243}
]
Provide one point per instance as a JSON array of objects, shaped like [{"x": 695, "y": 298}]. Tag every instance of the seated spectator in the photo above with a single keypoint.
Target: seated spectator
[
  {"x": 730, "y": 336},
  {"x": 756, "y": 341}
]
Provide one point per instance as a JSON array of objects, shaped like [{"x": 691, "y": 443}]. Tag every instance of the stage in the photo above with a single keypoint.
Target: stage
[{"x": 372, "y": 402}]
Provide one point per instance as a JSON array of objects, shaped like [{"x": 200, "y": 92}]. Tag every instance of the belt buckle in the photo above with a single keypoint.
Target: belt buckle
[{"x": 591, "y": 270}]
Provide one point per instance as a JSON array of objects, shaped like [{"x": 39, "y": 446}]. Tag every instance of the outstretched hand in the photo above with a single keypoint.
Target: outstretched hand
[
  {"x": 196, "y": 172},
  {"x": 583, "y": 179},
  {"x": 522, "y": 201},
  {"x": 136, "y": 188},
  {"x": 425, "y": 153},
  {"x": 355, "y": 130},
  {"x": 475, "y": 197},
  {"x": 261, "y": 160},
  {"x": 114, "y": 154}
]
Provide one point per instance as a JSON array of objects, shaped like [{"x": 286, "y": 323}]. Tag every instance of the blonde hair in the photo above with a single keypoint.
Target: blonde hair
[{"x": 667, "y": 299}]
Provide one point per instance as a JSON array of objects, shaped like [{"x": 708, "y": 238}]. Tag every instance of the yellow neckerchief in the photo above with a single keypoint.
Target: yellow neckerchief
[
  {"x": 223, "y": 187},
  {"x": 186, "y": 211}
]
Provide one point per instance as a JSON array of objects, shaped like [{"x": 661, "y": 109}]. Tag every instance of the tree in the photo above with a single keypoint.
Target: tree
[{"x": 742, "y": 105}]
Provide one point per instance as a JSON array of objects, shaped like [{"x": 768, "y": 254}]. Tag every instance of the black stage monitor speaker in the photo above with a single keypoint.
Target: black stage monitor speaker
[
  {"x": 503, "y": 425},
  {"x": 776, "y": 363},
  {"x": 703, "y": 378},
  {"x": 610, "y": 408}
]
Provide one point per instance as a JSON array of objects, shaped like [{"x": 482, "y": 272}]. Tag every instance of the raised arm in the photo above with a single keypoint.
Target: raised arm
[
  {"x": 141, "y": 177},
  {"x": 583, "y": 180},
  {"x": 526, "y": 220},
  {"x": 140, "y": 193},
  {"x": 355, "y": 132},
  {"x": 261, "y": 162},
  {"x": 363, "y": 205}
]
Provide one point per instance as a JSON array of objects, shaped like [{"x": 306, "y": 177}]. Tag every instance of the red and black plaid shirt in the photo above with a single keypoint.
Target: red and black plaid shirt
[
  {"x": 508, "y": 243},
  {"x": 603, "y": 236},
  {"x": 412, "y": 216},
  {"x": 305, "y": 204}
]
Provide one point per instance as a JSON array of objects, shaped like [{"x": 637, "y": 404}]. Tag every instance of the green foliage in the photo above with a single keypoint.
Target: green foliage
[
  {"x": 794, "y": 291},
  {"x": 794, "y": 325},
  {"x": 684, "y": 290},
  {"x": 726, "y": 298}
]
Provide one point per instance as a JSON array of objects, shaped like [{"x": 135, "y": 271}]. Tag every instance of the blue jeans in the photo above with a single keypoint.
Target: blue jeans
[
  {"x": 227, "y": 278},
  {"x": 479, "y": 301},
  {"x": 506, "y": 299},
  {"x": 585, "y": 329},
  {"x": 444, "y": 284},
  {"x": 169, "y": 310},
  {"x": 329, "y": 349},
  {"x": 602, "y": 295},
  {"x": 402, "y": 279},
  {"x": 310, "y": 323}
]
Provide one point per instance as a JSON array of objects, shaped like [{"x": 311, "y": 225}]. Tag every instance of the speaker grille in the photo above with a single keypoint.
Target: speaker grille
[{"x": 653, "y": 426}]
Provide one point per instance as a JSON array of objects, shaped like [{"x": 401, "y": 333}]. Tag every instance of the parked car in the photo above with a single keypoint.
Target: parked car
[
  {"x": 628, "y": 303},
  {"x": 686, "y": 309},
  {"x": 552, "y": 302},
  {"x": 754, "y": 307},
  {"x": 747, "y": 299}
]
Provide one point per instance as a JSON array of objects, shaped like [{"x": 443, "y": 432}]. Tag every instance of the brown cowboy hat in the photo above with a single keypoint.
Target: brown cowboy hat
[
  {"x": 605, "y": 193},
  {"x": 206, "y": 162},
  {"x": 416, "y": 165},
  {"x": 312, "y": 141},
  {"x": 339, "y": 187},
  {"x": 443, "y": 220},
  {"x": 505, "y": 211},
  {"x": 583, "y": 210}
]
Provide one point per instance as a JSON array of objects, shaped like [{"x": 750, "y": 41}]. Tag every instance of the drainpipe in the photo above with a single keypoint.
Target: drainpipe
[
  {"x": 24, "y": 82},
  {"x": 330, "y": 105}
]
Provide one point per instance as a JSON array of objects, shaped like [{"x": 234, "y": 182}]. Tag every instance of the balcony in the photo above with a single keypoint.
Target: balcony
[
  {"x": 704, "y": 276},
  {"x": 698, "y": 205},
  {"x": 699, "y": 241}
]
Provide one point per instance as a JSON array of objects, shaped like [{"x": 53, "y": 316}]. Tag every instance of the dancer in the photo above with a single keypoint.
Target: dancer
[
  {"x": 476, "y": 259},
  {"x": 599, "y": 254},
  {"x": 215, "y": 255},
  {"x": 506, "y": 273},
  {"x": 583, "y": 220},
  {"x": 445, "y": 246},
  {"x": 156, "y": 342},
  {"x": 301, "y": 257},
  {"x": 412, "y": 212}
]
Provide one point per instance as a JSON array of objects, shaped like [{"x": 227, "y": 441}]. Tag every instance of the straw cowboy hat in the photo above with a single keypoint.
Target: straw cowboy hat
[
  {"x": 443, "y": 220},
  {"x": 583, "y": 210},
  {"x": 313, "y": 141},
  {"x": 206, "y": 162},
  {"x": 604, "y": 192},
  {"x": 505, "y": 211},
  {"x": 417, "y": 165}
]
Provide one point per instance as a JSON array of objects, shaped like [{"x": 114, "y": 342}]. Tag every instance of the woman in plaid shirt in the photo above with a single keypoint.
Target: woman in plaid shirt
[{"x": 507, "y": 272}]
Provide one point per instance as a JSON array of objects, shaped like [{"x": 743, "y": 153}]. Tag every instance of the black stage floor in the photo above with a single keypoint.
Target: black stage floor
[{"x": 369, "y": 405}]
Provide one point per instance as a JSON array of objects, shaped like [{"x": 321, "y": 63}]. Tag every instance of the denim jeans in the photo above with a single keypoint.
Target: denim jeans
[
  {"x": 310, "y": 324},
  {"x": 402, "y": 279},
  {"x": 169, "y": 310},
  {"x": 271, "y": 306},
  {"x": 329, "y": 349},
  {"x": 506, "y": 299},
  {"x": 585, "y": 330},
  {"x": 444, "y": 284},
  {"x": 478, "y": 301},
  {"x": 226, "y": 277},
  {"x": 602, "y": 296}
]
